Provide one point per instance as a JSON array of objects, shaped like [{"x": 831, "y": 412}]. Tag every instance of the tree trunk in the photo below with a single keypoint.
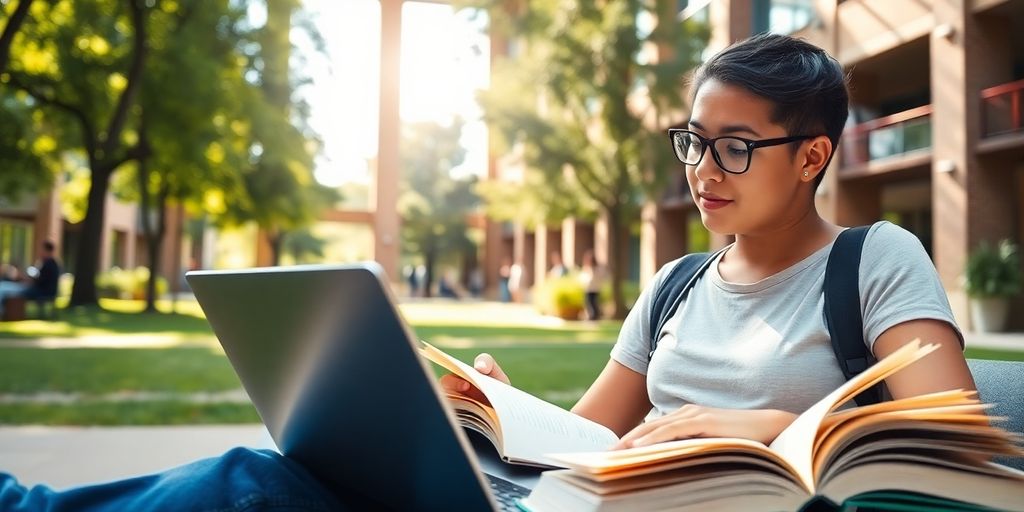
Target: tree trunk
[
  {"x": 153, "y": 235},
  {"x": 276, "y": 239},
  {"x": 154, "y": 244},
  {"x": 616, "y": 260},
  {"x": 429, "y": 260},
  {"x": 102, "y": 164},
  {"x": 87, "y": 260}
]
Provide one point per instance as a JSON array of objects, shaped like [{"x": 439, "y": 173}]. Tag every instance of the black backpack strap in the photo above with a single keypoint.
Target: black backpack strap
[
  {"x": 843, "y": 312},
  {"x": 674, "y": 289}
]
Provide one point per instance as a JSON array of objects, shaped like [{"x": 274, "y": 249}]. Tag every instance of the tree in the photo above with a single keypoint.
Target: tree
[
  {"x": 585, "y": 106},
  {"x": 86, "y": 71},
  {"x": 433, "y": 205},
  {"x": 280, "y": 192},
  {"x": 187, "y": 130}
]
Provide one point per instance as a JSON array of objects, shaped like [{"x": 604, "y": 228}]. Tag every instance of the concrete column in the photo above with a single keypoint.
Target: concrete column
[
  {"x": 386, "y": 219},
  {"x": 496, "y": 247},
  {"x": 663, "y": 237},
  {"x": 171, "y": 246},
  {"x": 972, "y": 201},
  {"x": 49, "y": 223},
  {"x": 523, "y": 253},
  {"x": 577, "y": 238},
  {"x": 547, "y": 241},
  {"x": 264, "y": 253},
  {"x": 540, "y": 251},
  {"x": 731, "y": 20},
  {"x": 602, "y": 247},
  {"x": 529, "y": 268}
]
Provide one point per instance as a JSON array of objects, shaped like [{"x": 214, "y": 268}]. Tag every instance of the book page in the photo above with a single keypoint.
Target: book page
[
  {"x": 796, "y": 442},
  {"x": 529, "y": 426}
]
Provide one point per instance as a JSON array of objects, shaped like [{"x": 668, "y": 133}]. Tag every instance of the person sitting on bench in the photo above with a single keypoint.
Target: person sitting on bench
[{"x": 41, "y": 286}]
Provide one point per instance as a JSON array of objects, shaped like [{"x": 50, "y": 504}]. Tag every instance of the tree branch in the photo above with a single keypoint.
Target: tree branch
[
  {"x": 13, "y": 24},
  {"x": 117, "y": 122},
  {"x": 88, "y": 132}
]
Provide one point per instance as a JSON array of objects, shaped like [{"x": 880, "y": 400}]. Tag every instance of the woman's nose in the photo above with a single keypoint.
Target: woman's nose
[{"x": 707, "y": 169}]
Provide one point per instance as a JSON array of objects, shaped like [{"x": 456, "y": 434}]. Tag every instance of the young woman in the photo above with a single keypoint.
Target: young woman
[
  {"x": 748, "y": 350},
  {"x": 749, "y": 347}
]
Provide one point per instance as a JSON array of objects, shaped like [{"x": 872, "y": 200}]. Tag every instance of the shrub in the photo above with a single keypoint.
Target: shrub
[
  {"x": 562, "y": 297},
  {"x": 993, "y": 271},
  {"x": 118, "y": 283}
]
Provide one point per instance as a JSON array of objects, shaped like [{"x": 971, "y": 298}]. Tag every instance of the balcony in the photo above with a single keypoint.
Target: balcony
[
  {"x": 1002, "y": 118},
  {"x": 893, "y": 142},
  {"x": 1002, "y": 109}
]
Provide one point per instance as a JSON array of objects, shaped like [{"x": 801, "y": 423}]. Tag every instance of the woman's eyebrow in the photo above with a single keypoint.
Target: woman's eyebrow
[{"x": 732, "y": 128}]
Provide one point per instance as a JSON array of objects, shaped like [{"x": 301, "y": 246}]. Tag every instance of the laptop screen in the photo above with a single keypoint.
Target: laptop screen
[{"x": 333, "y": 372}]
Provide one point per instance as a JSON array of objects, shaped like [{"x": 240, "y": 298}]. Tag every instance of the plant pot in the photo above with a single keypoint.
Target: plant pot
[
  {"x": 568, "y": 312},
  {"x": 989, "y": 314}
]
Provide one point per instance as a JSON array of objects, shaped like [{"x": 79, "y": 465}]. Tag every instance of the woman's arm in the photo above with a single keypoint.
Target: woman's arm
[
  {"x": 941, "y": 370},
  {"x": 617, "y": 399}
]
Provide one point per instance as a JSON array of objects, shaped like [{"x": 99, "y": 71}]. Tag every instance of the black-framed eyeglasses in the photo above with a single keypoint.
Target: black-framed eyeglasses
[{"x": 732, "y": 154}]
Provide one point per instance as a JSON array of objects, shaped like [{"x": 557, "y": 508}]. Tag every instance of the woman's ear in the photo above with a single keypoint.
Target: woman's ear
[{"x": 815, "y": 156}]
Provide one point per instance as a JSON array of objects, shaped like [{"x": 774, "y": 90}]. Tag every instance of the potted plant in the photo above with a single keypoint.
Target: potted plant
[
  {"x": 993, "y": 276},
  {"x": 560, "y": 296}
]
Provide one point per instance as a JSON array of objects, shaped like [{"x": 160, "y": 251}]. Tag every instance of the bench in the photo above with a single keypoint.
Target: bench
[
  {"x": 15, "y": 308},
  {"x": 1002, "y": 383}
]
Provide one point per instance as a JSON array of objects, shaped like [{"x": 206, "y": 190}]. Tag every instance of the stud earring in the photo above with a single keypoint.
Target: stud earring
[{"x": 806, "y": 174}]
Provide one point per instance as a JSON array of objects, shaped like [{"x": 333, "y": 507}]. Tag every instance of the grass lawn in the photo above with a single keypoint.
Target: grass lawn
[
  {"x": 552, "y": 359},
  {"x": 117, "y": 317},
  {"x": 546, "y": 357}
]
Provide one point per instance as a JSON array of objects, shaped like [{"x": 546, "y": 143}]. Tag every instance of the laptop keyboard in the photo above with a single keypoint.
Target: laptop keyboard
[{"x": 506, "y": 493}]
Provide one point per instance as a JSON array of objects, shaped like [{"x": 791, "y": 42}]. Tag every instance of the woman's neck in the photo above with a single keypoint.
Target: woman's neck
[{"x": 756, "y": 256}]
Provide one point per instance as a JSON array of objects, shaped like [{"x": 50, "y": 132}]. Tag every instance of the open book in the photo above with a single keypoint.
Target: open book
[
  {"x": 522, "y": 427},
  {"x": 928, "y": 452}
]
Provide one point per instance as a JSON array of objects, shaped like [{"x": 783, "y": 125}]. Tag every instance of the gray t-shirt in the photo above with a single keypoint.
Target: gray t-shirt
[{"x": 765, "y": 345}]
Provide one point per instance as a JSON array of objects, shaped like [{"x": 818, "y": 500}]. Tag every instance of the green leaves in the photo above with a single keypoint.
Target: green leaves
[
  {"x": 581, "y": 102},
  {"x": 994, "y": 271},
  {"x": 433, "y": 205}
]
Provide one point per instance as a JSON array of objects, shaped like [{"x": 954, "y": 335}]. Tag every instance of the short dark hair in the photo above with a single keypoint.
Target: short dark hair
[
  {"x": 48, "y": 246},
  {"x": 807, "y": 86}
]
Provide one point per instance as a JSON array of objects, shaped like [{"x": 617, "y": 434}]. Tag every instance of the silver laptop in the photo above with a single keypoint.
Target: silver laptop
[{"x": 334, "y": 373}]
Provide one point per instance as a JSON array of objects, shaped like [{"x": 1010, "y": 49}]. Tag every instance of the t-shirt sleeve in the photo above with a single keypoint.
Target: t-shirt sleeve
[
  {"x": 634, "y": 345},
  {"x": 899, "y": 283}
]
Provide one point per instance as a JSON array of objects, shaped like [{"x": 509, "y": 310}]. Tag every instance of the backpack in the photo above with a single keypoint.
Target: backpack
[{"x": 842, "y": 303}]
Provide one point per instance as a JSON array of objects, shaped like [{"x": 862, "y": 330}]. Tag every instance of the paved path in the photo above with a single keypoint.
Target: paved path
[{"x": 68, "y": 456}]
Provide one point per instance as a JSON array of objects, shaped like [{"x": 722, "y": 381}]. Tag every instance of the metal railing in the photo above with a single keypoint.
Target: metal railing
[
  {"x": 1002, "y": 109},
  {"x": 898, "y": 134}
]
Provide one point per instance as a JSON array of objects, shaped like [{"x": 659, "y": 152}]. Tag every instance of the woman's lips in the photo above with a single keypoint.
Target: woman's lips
[{"x": 712, "y": 202}]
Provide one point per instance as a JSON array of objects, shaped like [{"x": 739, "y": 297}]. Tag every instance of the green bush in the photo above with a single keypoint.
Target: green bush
[
  {"x": 993, "y": 271},
  {"x": 118, "y": 283},
  {"x": 561, "y": 297}
]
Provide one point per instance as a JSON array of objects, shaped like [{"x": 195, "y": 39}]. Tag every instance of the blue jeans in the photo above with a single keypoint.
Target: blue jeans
[{"x": 240, "y": 480}]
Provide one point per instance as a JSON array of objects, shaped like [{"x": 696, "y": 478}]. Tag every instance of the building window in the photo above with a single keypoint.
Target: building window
[{"x": 782, "y": 16}]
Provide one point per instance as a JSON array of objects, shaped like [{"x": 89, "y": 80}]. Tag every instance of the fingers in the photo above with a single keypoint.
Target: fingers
[
  {"x": 455, "y": 384},
  {"x": 688, "y": 421},
  {"x": 485, "y": 364},
  {"x": 458, "y": 385}
]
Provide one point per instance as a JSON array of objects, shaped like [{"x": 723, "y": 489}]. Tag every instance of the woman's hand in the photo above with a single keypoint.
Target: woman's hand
[
  {"x": 696, "y": 421},
  {"x": 484, "y": 364}
]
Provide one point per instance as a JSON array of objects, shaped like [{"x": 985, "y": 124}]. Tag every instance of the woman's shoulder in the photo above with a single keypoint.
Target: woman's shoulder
[
  {"x": 889, "y": 247},
  {"x": 884, "y": 236}
]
